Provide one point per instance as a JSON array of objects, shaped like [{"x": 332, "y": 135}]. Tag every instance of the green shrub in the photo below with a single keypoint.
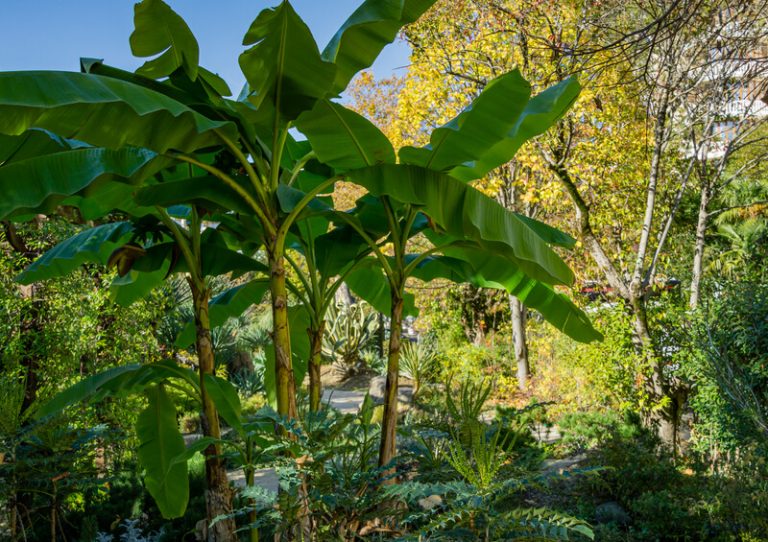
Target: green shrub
[{"x": 602, "y": 375}]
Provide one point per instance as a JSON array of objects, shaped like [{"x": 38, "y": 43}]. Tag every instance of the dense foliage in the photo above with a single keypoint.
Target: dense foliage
[{"x": 214, "y": 329}]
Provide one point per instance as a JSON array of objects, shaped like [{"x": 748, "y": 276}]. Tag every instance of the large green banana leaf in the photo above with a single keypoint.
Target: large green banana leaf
[
  {"x": 103, "y": 112},
  {"x": 344, "y": 139},
  {"x": 336, "y": 249},
  {"x": 200, "y": 95},
  {"x": 206, "y": 191},
  {"x": 465, "y": 263},
  {"x": 99, "y": 199},
  {"x": 466, "y": 213},
  {"x": 371, "y": 27},
  {"x": 368, "y": 281},
  {"x": 117, "y": 382},
  {"x": 224, "y": 395},
  {"x": 94, "y": 245},
  {"x": 283, "y": 67},
  {"x": 40, "y": 183},
  {"x": 159, "y": 443},
  {"x": 158, "y": 30},
  {"x": 136, "y": 285},
  {"x": 33, "y": 143},
  {"x": 488, "y": 133},
  {"x": 468, "y": 136}
]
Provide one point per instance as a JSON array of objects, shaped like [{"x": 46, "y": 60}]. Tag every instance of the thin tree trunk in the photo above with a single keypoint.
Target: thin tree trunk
[
  {"x": 315, "y": 361},
  {"x": 218, "y": 495},
  {"x": 660, "y": 131},
  {"x": 698, "y": 251},
  {"x": 665, "y": 418},
  {"x": 387, "y": 448},
  {"x": 281, "y": 337},
  {"x": 520, "y": 342},
  {"x": 587, "y": 235}
]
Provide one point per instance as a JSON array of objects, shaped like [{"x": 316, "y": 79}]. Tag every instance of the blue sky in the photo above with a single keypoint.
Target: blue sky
[{"x": 54, "y": 34}]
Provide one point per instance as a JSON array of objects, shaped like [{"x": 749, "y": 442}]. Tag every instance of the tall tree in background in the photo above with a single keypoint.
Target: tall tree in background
[{"x": 620, "y": 156}]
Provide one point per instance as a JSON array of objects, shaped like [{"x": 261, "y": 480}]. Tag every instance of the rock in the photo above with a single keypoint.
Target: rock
[
  {"x": 560, "y": 466},
  {"x": 378, "y": 387},
  {"x": 612, "y": 512}
]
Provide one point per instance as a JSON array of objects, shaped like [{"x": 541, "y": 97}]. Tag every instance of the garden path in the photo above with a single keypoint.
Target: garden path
[{"x": 349, "y": 401}]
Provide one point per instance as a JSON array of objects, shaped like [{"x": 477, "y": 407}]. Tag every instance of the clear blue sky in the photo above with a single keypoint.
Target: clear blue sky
[{"x": 54, "y": 34}]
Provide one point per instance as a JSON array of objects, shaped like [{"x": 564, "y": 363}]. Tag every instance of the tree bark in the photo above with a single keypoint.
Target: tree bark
[
  {"x": 218, "y": 495},
  {"x": 660, "y": 135},
  {"x": 587, "y": 235},
  {"x": 387, "y": 448},
  {"x": 698, "y": 251},
  {"x": 520, "y": 342},
  {"x": 315, "y": 361},
  {"x": 281, "y": 338}
]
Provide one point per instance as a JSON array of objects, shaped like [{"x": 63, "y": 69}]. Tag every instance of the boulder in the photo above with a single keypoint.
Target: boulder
[{"x": 378, "y": 386}]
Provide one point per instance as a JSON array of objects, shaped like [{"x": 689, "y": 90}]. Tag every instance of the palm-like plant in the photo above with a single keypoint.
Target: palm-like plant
[{"x": 417, "y": 363}]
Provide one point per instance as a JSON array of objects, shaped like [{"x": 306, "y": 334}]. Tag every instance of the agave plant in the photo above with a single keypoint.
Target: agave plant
[{"x": 349, "y": 330}]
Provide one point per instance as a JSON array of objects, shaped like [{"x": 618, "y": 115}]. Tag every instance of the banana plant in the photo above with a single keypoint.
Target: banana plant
[
  {"x": 112, "y": 131},
  {"x": 473, "y": 238},
  {"x": 327, "y": 261},
  {"x": 174, "y": 111},
  {"x": 145, "y": 251}
]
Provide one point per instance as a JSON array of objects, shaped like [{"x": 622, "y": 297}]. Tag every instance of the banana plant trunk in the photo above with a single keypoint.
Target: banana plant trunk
[
  {"x": 387, "y": 447},
  {"x": 218, "y": 495},
  {"x": 281, "y": 337},
  {"x": 315, "y": 361},
  {"x": 520, "y": 342}
]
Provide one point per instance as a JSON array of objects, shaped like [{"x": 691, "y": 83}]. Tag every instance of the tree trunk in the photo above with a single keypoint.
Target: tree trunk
[
  {"x": 520, "y": 343},
  {"x": 632, "y": 293},
  {"x": 387, "y": 448},
  {"x": 281, "y": 337},
  {"x": 587, "y": 235},
  {"x": 660, "y": 140},
  {"x": 664, "y": 419},
  {"x": 698, "y": 252},
  {"x": 218, "y": 495},
  {"x": 315, "y": 361}
]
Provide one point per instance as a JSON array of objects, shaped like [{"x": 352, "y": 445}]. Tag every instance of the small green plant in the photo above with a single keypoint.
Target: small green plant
[
  {"x": 349, "y": 330},
  {"x": 587, "y": 430},
  {"x": 417, "y": 363},
  {"x": 466, "y": 409}
]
